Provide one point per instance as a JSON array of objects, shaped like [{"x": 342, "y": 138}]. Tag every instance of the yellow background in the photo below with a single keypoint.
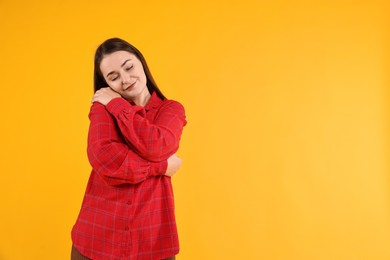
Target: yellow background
[{"x": 286, "y": 152}]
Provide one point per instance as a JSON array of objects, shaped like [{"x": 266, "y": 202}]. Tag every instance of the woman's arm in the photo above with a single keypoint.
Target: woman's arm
[
  {"x": 111, "y": 157},
  {"x": 153, "y": 141}
]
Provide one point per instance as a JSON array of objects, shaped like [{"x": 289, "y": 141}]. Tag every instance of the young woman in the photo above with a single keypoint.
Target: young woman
[{"x": 128, "y": 207}]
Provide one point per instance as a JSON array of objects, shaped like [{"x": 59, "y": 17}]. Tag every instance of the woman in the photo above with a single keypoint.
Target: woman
[{"x": 128, "y": 207}]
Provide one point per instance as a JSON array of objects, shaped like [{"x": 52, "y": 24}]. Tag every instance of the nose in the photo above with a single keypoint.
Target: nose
[{"x": 126, "y": 79}]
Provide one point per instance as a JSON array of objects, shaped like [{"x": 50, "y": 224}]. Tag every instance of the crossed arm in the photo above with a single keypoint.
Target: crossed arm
[{"x": 138, "y": 149}]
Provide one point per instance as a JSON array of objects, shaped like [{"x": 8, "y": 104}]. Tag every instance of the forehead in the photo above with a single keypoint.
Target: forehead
[{"x": 115, "y": 60}]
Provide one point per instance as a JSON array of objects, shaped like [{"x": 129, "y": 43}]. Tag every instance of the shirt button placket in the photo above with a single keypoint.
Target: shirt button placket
[
  {"x": 127, "y": 225},
  {"x": 127, "y": 234}
]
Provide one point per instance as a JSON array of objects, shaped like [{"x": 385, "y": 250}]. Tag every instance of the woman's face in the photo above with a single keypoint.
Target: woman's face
[{"x": 125, "y": 74}]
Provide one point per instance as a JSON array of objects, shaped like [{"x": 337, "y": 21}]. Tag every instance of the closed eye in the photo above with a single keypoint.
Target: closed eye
[{"x": 114, "y": 78}]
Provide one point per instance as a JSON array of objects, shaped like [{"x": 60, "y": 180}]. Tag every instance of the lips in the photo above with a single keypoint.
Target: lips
[{"x": 131, "y": 85}]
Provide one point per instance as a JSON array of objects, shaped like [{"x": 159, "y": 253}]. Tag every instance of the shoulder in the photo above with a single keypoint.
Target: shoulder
[
  {"x": 171, "y": 110},
  {"x": 172, "y": 106},
  {"x": 174, "y": 110}
]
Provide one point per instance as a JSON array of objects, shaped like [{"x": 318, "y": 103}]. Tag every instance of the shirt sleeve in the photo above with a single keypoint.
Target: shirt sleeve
[
  {"x": 153, "y": 141},
  {"x": 111, "y": 157}
]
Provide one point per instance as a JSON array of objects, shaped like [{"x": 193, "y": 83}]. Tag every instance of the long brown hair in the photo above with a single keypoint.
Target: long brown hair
[{"x": 116, "y": 44}]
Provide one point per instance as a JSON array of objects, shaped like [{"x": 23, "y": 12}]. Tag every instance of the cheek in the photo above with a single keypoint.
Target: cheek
[
  {"x": 142, "y": 76},
  {"x": 114, "y": 85}
]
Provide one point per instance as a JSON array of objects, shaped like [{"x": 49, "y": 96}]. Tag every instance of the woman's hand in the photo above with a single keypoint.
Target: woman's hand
[
  {"x": 105, "y": 95},
  {"x": 174, "y": 164}
]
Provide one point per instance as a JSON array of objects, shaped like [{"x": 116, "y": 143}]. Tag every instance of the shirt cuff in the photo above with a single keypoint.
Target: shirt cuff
[
  {"x": 117, "y": 105},
  {"x": 159, "y": 168}
]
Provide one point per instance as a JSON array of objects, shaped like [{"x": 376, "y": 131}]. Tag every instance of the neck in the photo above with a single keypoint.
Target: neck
[{"x": 142, "y": 99}]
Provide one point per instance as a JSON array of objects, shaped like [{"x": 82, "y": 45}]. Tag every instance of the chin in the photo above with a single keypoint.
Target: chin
[{"x": 128, "y": 98}]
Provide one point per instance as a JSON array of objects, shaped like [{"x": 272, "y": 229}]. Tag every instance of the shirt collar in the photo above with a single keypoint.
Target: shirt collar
[{"x": 153, "y": 102}]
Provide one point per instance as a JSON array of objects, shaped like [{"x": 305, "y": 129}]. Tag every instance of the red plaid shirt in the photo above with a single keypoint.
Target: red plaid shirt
[{"x": 128, "y": 207}]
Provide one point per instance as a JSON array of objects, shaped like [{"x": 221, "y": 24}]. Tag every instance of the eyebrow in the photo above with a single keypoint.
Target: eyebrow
[{"x": 123, "y": 64}]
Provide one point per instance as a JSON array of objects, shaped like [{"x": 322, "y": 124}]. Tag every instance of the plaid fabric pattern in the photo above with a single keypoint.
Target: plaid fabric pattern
[{"x": 128, "y": 207}]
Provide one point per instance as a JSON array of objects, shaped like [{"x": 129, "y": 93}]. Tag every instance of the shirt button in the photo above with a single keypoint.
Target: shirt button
[{"x": 128, "y": 202}]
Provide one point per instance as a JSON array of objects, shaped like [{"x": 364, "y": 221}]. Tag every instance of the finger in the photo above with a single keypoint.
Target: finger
[{"x": 95, "y": 97}]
